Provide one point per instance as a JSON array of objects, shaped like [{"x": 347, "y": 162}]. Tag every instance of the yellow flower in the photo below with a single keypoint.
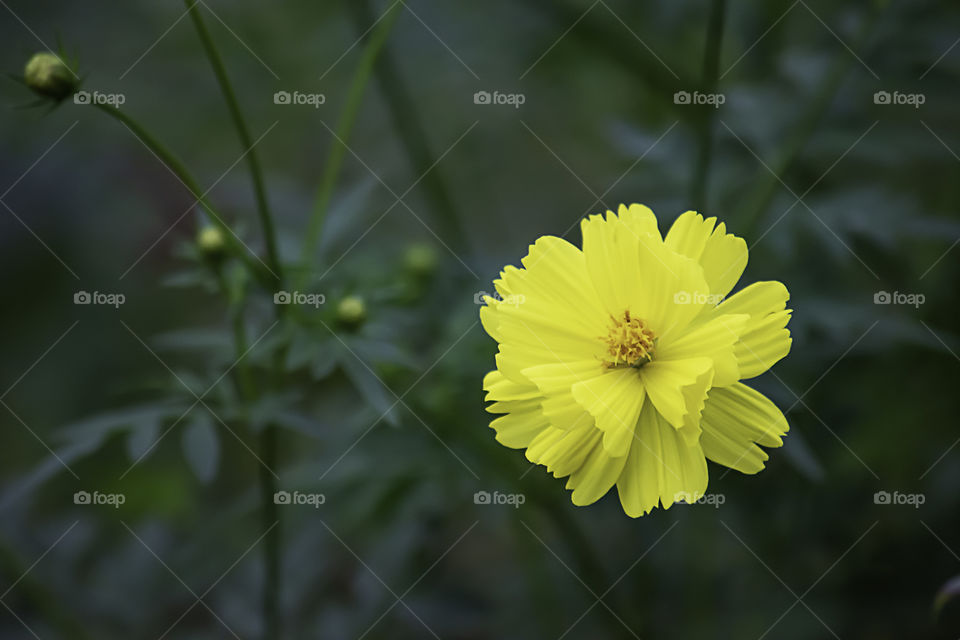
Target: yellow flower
[{"x": 621, "y": 364}]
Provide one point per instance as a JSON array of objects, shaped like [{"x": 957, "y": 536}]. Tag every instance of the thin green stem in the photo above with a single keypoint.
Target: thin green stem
[
  {"x": 267, "y": 448},
  {"x": 338, "y": 148},
  {"x": 268, "y": 444},
  {"x": 250, "y": 153},
  {"x": 257, "y": 268},
  {"x": 711, "y": 70}
]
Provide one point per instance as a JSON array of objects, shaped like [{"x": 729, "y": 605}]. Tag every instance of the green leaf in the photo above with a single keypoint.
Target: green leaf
[
  {"x": 371, "y": 388},
  {"x": 141, "y": 440},
  {"x": 99, "y": 426},
  {"x": 201, "y": 445},
  {"x": 382, "y": 351}
]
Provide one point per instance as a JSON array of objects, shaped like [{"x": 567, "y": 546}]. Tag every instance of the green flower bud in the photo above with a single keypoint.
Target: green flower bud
[
  {"x": 211, "y": 242},
  {"x": 420, "y": 259},
  {"x": 49, "y": 76},
  {"x": 352, "y": 312}
]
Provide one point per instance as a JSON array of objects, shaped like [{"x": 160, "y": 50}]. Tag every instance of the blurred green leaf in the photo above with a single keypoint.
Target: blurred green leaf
[
  {"x": 371, "y": 388},
  {"x": 201, "y": 446}
]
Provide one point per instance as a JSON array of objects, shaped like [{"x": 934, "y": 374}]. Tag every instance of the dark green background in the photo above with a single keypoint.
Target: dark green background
[{"x": 869, "y": 390}]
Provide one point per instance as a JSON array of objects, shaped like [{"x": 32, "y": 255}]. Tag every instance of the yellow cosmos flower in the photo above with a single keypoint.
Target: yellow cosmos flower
[{"x": 621, "y": 364}]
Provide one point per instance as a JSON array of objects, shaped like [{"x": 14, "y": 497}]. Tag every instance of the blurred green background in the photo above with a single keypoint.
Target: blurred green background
[{"x": 840, "y": 193}]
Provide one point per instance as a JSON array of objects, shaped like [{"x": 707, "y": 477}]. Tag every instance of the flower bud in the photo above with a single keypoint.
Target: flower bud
[
  {"x": 211, "y": 242},
  {"x": 352, "y": 312},
  {"x": 420, "y": 260},
  {"x": 48, "y": 75}
]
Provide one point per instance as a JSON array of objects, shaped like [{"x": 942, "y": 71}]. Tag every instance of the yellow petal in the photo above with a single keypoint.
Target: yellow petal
[
  {"x": 765, "y": 339},
  {"x": 500, "y": 388},
  {"x": 637, "y": 272},
  {"x": 639, "y": 219},
  {"x": 596, "y": 475},
  {"x": 549, "y": 312},
  {"x": 737, "y": 418},
  {"x": 722, "y": 255},
  {"x": 563, "y": 451},
  {"x": 661, "y": 467},
  {"x": 518, "y": 428},
  {"x": 665, "y": 380},
  {"x": 614, "y": 400},
  {"x": 554, "y": 382},
  {"x": 715, "y": 338}
]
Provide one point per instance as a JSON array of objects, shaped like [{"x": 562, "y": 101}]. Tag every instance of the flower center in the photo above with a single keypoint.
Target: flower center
[{"x": 630, "y": 343}]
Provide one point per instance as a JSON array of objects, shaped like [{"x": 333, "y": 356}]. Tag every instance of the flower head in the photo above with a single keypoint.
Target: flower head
[{"x": 622, "y": 365}]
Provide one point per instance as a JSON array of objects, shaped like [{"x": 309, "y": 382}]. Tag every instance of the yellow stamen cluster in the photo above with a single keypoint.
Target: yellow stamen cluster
[{"x": 630, "y": 342}]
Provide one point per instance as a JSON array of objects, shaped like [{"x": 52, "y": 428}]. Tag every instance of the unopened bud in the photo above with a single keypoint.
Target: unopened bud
[
  {"x": 351, "y": 312},
  {"x": 48, "y": 75},
  {"x": 211, "y": 242},
  {"x": 420, "y": 260}
]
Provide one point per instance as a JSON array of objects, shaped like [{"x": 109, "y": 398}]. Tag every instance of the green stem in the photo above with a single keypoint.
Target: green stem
[
  {"x": 256, "y": 174},
  {"x": 410, "y": 130},
  {"x": 267, "y": 447},
  {"x": 177, "y": 167},
  {"x": 338, "y": 147},
  {"x": 711, "y": 70},
  {"x": 805, "y": 129},
  {"x": 271, "y": 523}
]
